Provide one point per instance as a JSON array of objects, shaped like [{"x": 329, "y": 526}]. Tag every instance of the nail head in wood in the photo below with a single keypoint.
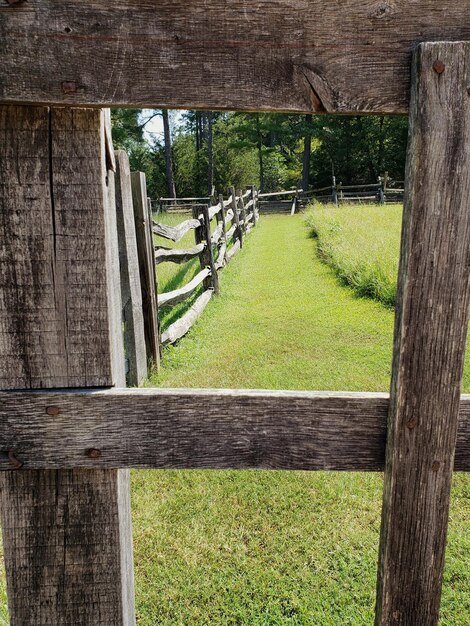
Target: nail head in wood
[
  {"x": 93, "y": 453},
  {"x": 17, "y": 464},
  {"x": 439, "y": 66},
  {"x": 69, "y": 87},
  {"x": 52, "y": 410}
]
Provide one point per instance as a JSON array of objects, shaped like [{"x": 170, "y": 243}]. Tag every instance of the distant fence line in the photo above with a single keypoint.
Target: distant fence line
[
  {"x": 235, "y": 217},
  {"x": 140, "y": 257},
  {"x": 384, "y": 191}
]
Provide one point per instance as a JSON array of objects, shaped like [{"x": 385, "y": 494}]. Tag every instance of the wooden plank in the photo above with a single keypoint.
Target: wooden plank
[
  {"x": 175, "y": 233},
  {"x": 347, "y": 61},
  {"x": 66, "y": 534},
  {"x": 236, "y": 216},
  {"x": 131, "y": 294},
  {"x": 222, "y": 221},
  {"x": 146, "y": 254},
  {"x": 179, "y": 328},
  {"x": 231, "y": 252},
  {"x": 243, "y": 221},
  {"x": 430, "y": 337},
  {"x": 177, "y": 256},
  {"x": 204, "y": 428},
  {"x": 203, "y": 234},
  {"x": 170, "y": 298}
]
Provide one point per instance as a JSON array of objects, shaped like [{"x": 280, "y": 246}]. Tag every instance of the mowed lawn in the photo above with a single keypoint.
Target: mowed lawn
[{"x": 262, "y": 548}]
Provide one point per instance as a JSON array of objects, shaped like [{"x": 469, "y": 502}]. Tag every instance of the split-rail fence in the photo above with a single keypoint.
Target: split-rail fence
[
  {"x": 69, "y": 429},
  {"x": 385, "y": 191}
]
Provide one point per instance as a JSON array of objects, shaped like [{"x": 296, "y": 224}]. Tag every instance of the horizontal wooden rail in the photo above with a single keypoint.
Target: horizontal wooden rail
[
  {"x": 170, "y": 298},
  {"x": 176, "y": 200},
  {"x": 369, "y": 186},
  {"x": 289, "y": 192},
  {"x": 175, "y": 233},
  {"x": 179, "y": 328},
  {"x": 178, "y": 256},
  {"x": 189, "y": 428},
  {"x": 214, "y": 210}
]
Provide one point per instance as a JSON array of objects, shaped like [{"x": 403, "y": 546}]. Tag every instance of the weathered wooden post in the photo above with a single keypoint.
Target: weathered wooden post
[
  {"x": 253, "y": 198},
  {"x": 146, "y": 251},
  {"x": 430, "y": 335},
  {"x": 236, "y": 216},
  {"x": 243, "y": 211},
  {"x": 203, "y": 234},
  {"x": 66, "y": 533},
  {"x": 134, "y": 334},
  {"x": 221, "y": 218},
  {"x": 334, "y": 192}
]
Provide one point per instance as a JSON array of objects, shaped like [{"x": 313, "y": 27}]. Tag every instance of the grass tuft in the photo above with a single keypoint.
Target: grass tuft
[{"x": 361, "y": 244}]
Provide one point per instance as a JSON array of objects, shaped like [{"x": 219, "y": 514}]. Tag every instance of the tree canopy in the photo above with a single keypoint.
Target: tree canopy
[{"x": 272, "y": 150}]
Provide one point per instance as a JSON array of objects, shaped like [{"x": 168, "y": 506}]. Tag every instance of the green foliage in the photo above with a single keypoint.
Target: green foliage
[{"x": 361, "y": 243}]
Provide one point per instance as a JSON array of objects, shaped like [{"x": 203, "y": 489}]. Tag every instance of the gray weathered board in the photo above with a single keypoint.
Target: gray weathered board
[
  {"x": 178, "y": 428},
  {"x": 433, "y": 300},
  {"x": 315, "y": 55},
  {"x": 66, "y": 534}
]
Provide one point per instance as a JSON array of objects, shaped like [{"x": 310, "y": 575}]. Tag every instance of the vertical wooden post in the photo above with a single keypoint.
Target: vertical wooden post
[
  {"x": 134, "y": 335},
  {"x": 66, "y": 533},
  {"x": 221, "y": 219},
  {"x": 146, "y": 252},
  {"x": 253, "y": 197},
  {"x": 430, "y": 335},
  {"x": 203, "y": 234},
  {"x": 334, "y": 192},
  {"x": 243, "y": 212},
  {"x": 236, "y": 215}
]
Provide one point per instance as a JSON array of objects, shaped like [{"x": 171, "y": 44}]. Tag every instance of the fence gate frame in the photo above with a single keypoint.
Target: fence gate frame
[{"x": 70, "y": 431}]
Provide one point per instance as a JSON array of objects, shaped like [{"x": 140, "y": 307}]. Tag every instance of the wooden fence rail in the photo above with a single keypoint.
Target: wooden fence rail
[
  {"x": 292, "y": 200},
  {"x": 214, "y": 247}
]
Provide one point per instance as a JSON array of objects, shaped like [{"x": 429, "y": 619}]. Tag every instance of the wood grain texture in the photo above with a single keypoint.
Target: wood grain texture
[
  {"x": 170, "y": 298},
  {"x": 175, "y": 233},
  {"x": 203, "y": 234},
  {"x": 205, "y": 428},
  {"x": 430, "y": 336},
  {"x": 66, "y": 534},
  {"x": 177, "y": 256},
  {"x": 307, "y": 55},
  {"x": 52, "y": 262},
  {"x": 131, "y": 294},
  {"x": 146, "y": 253},
  {"x": 179, "y": 328},
  {"x": 231, "y": 252}
]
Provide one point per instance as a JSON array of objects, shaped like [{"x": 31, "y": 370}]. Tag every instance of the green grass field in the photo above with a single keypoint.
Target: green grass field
[{"x": 259, "y": 548}]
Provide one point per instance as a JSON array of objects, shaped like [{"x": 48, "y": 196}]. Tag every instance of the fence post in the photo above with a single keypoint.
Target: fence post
[
  {"x": 222, "y": 217},
  {"x": 243, "y": 212},
  {"x": 131, "y": 294},
  {"x": 146, "y": 252},
  {"x": 203, "y": 233},
  {"x": 430, "y": 337},
  {"x": 66, "y": 533},
  {"x": 236, "y": 216},
  {"x": 253, "y": 197},
  {"x": 334, "y": 193}
]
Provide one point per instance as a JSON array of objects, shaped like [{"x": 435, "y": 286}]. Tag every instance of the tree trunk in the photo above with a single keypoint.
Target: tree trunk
[
  {"x": 210, "y": 153},
  {"x": 170, "y": 181},
  {"x": 307, "y": 152},
  {"x": 260, "y": 154}
]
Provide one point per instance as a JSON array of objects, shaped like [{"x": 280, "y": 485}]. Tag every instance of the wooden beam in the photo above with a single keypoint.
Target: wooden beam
[
  {"x": 66, "y": 534},
  {"x": 146, "y": 252},
  {"x": 177, "y": 256},
  {"x": 430, "y": 337},
  {"x": 175, "y": 233},
  {"x": 133, "y": 320},
  {"x": 170, "y": 298},
  {"x": 182, "y": 325},
  {"x": 306, "y": 56},
  {"x": 205, "y": 428}
]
